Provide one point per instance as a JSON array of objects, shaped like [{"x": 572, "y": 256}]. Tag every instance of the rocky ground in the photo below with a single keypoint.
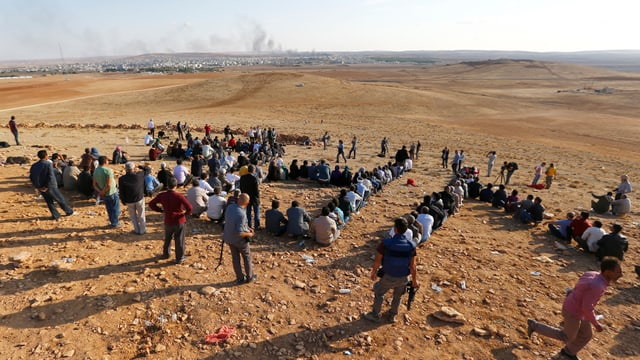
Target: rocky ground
[{"x": 74, "y": 288}]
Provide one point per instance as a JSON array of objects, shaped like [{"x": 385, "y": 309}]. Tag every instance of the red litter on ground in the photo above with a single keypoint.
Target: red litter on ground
[
  {"x": 224, "y": 333},
  {"x": 411, "y": 182}
]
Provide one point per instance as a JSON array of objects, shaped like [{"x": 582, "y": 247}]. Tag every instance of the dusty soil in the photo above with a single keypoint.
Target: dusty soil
[{"x": 113, "y": 300}]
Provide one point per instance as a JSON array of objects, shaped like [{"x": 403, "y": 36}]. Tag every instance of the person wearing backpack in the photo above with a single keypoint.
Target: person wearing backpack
[{"x": 397, "y": 255}]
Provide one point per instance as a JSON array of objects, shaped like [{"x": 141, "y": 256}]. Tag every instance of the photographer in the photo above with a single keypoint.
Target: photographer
[
  {"x": 397, "y": 255},
  {"x": 511, "y": 168}
]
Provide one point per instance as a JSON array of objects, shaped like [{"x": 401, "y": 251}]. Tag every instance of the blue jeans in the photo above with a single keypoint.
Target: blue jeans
[
  {"x": 536, "y": 177},
  {"x": 54, "y": 194},
  {"x": 256, "y": 212},
  {"x": 112, "y": 203}
]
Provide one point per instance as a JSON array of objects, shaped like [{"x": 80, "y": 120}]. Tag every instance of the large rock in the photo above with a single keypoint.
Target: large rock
[{"x": 450, "y": 315}]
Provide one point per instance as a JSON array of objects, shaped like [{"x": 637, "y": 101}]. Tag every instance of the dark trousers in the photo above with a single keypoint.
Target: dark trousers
[
  {"x": 245, "y": 251},
  {"x": 54, "y": 194},
  {"x": 177, "y": 233}
]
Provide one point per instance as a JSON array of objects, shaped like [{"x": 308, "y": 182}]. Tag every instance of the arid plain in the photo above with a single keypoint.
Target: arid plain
[{"x": 115, "y": 301}]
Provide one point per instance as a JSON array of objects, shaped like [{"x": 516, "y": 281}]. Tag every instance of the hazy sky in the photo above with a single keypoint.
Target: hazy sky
[{"x": 38, "y": 29}]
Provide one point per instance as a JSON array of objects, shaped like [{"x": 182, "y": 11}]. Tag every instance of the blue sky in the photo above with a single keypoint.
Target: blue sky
[{"x": 37, "y": 29}]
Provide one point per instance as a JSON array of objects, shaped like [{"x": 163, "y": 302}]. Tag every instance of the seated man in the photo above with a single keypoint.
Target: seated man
[
  {"x": 535, "y": 213},
  {"x": 216, "y": 206},
  {"x": 621, "y": 206},
  {"x": 298, "y": 223},
  {"x": 486, "y": 194},
  {"x": 336, "y": 214},
  {"x": 475, "y": 188},
  {"x": 182, "y": 174},
  {"x": 561, "y": 228},
  {"x": 324, "y": 229},
  {"x": 197, "y": 198},
  {"x": 499, "y": 197},
  {"x": 604, "y": 202},
  {"x": 591, "y": 236},
  {"x": 511, "y": 205},
  {"x": 324, "y": 173},
  {"x": 85, "y": 183},
  {"x": 276, "y": 223},
  {"x": 579, "y": 225},
  {"x": 614, "y": 244},
  {"x": 151, "y": 184},
  {"x": 427, "y": 223}
]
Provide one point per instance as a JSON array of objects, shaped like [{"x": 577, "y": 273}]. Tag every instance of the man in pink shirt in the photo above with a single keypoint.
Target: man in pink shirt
[{"x": 578, "y": 309}]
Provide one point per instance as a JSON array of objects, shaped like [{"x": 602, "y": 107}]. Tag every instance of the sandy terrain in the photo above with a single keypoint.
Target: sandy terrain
[{"x": 115, "y": 301}]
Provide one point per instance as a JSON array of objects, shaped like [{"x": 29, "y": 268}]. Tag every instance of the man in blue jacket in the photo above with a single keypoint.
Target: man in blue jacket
[{"x": 397, "y": 255}]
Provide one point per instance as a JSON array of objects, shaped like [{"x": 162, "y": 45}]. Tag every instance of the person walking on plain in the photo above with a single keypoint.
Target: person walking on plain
[{"x": 578, "y": 309}]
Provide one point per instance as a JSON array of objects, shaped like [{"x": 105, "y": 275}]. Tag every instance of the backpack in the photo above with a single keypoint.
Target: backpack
[{"x": 513, "y": 166}]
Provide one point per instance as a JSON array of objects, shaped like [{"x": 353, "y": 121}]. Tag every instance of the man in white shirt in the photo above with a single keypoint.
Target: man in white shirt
[
  {"x": 148, "y": 139},
  {"x": 216, "y": 206},
  {"x": 590, "y": 237},
  {"x": 354, "y": 199},
  {"x": 152, "y": 128},
  {"x": 229, "y": 160},
  {"x": 181, "y": 173},
  {"x": 427, "y": 223},
  {"x": 231, "y": 179}
]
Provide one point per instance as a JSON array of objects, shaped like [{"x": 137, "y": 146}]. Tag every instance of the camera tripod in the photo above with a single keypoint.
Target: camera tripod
[{"x": 499, "y": 177}]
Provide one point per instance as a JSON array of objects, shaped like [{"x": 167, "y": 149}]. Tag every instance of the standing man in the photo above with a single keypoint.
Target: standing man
[
  {"x": 238, "y": 234},
  {"x": 550, "y": 174},
  {"x": 104, "y": 183},
  {"x": 43, "y": 179},
  {"x": 250, "y": 185},
  {"x": 176, "y": 208},
  {"x": 384, "y": 146},
  {"x": 492, "y": 160},
  {"x": 340, "y": 151},
  {"x": 578, "y": 309},
  {"x": 325, "y": 140},
  {"x": 14, "y": 129},
  {"x": 152, "y": 128},
  {"x": 354, "y": 146},
  {"x": 445, "y": 157},
  {"x": 397, "y": 255},
  {"x": 131, "y": 187},
  {"x": 538, "y": 172}
]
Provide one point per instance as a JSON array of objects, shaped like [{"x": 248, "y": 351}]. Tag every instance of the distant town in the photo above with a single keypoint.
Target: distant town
[{"x": 207, "y": 62}]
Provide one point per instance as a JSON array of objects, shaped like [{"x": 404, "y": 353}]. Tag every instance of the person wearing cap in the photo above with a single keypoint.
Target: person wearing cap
[
  {"x": 131, "y": 187},
  {"x": 14, "y": 129}
]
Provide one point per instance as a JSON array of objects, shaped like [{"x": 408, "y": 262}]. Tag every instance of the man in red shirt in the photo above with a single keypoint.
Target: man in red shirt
[
  {"x": 176, "y": 209},
  {"x": 154, "y": 153},
  {"x": 579, "y": 225},
  {"x": 578, "y": 309},
  {"x": 207, "y": 130}
]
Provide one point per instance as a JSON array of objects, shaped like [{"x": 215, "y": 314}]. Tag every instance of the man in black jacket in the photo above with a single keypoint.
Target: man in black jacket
[
  {"x": 131, "y": 187},
  {"x": 43, "y": 179},
  {"x": 614, "y": 244},
  {"x": 250, "y": 185}
]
